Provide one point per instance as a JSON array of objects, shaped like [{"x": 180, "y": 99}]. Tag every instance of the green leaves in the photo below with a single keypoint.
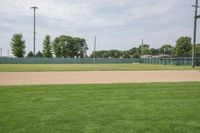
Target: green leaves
[
  {"x": 198, "y": 50},
  {"x": 67, "y": 46},
  {"x": 47, "y": 47},
  {"x": 30, "y": 54},
  {"x": 167, "y": 49},
  {"x": 18, "y": 45},
  {"x": 183, "y": 47}
]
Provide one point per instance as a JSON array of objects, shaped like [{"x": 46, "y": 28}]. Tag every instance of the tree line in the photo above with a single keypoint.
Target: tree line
[
  {"x": 74, "y": 47},
  {"x": 183, "y": 48},
  {"x": 62, "y": 47}
]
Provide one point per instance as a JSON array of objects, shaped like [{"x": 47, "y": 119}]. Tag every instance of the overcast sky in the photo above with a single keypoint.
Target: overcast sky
[{"x": 118, "y": 24}]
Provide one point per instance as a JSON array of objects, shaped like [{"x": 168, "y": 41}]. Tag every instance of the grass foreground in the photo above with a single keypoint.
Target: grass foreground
[
  {"x": 88, "y": 67},
  {"x": 112, "y": 108}
]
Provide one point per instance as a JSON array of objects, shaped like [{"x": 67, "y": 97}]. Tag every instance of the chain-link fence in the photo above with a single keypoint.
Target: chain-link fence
[
  {"x": 164, "y": 61},
  {"x": 67, "y": 60}
]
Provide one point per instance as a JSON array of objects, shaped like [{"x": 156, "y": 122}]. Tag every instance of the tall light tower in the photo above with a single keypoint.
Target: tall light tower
[
  {"x": 196, "y": 16},
  {"x": 34, "y": 22}
]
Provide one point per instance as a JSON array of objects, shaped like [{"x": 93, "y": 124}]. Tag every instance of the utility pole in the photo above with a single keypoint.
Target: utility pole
[
  {"x": 1, "y": 52},
  {"x": 8, "y": 53},
  {"x": 196, "y": 16},
  {"x": 34, "y": 22},
  {"x": 85, "y": 52},
  {"x": 164, "y": 51},
  {"x": 142, "y": 48},
  {"x": 94, "y": 56}
]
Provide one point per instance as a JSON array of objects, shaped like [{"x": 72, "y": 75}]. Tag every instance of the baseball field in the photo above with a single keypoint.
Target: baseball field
[
  {"x": 88, "y": 67},
  {"x": 123, "y": 98}
]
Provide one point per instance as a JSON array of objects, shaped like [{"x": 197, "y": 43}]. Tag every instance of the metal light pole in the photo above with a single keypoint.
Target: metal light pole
[
  {"x": 34, "y": 22},
  {"x": 95, "y": 42},
  {"x": 196, "y": 16}
]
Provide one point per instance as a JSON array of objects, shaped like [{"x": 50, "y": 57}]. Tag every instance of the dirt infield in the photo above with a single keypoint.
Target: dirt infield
[{"x": 30, "y": 78}]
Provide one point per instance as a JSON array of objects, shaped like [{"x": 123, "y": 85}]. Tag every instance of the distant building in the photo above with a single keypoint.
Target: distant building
[{"x": 155, "y": 56}]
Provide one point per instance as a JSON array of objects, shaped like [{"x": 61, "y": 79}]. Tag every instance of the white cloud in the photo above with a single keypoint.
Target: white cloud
[{"x": 119, "y": 24}]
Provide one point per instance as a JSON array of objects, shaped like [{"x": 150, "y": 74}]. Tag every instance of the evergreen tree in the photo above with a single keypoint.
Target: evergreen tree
[
  {"x": 39, "y": 55},
  {"x": 47, "y": 48},
  {"x": 18, "y": 45},
  {"x": 30, "y": 54}
]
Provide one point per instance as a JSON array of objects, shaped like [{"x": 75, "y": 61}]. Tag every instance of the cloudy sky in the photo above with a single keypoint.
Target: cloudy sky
[{"x": 118, "y": 24}]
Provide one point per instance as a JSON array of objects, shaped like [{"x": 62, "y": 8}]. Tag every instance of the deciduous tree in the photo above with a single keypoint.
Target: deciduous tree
[
  {"x": 67, "y": 46},
  {"x": 167, "y": 49},
  {"x": 183, "y": 47}
]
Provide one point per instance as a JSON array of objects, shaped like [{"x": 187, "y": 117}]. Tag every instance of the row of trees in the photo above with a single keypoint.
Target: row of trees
[
  {"x": 67, "y": 46},
  {"x": 63, "y": 47},
  {"x": 134, "y": 52},
  {"x": 183, "y": 48}
]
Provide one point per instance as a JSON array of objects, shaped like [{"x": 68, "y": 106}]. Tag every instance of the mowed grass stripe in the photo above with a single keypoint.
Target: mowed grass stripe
[
  {"x": 112, "y": 108},
  {"x": 88, "y": 67}
]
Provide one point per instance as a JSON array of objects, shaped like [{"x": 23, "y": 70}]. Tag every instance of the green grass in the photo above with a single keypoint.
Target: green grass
[
  {"x": 88, "y": 67},
  {"x": 112, "y": 108}
]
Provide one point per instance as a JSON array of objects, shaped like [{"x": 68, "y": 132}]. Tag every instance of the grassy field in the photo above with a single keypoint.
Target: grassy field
[
  {"x": 114, "y": 108},
  {"x": 88, "y": 67}
]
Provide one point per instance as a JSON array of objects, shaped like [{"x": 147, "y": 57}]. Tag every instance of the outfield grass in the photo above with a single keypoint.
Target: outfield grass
[
  {"x": 88, "y": 67},
  {"x": 114, "y": 108}
]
